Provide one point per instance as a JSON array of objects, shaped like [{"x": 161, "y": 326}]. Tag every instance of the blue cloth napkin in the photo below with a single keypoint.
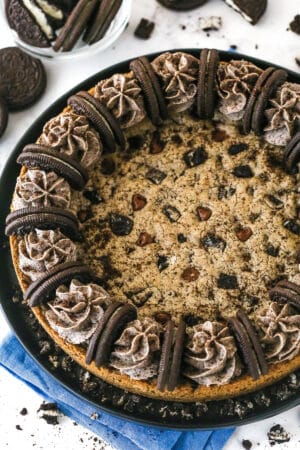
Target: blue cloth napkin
[{"x": 120, "y": 433}]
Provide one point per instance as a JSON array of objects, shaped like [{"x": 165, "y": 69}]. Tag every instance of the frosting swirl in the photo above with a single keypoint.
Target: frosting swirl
[
  {"x": 283, "y": 115},
  {"x": 122, "y": 95},
  {"x": 39, "y": 188},
  {"x": 178, "y": 73},
  {"x": 236, "y": 80},
  {"x": 40, "y": 250},
  {"x": 76, "y": 310},
  {"x": 211, "y": 355},
  {"x": 280, "y": 332},
  {"x": 134, "y": 351},
  {"x": 72, "y": 135}
]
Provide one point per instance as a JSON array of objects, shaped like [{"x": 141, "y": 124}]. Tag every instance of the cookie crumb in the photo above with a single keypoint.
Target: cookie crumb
[
  {"x": 246, "y": 444},
  {"x": 295, "y": 24},
  {"x": 49, "y": 412},
  {"x": 210, "y": 23},
  {"x": 18, "y": 427},
  {"x": 278, "y": 435},
  {"x": 23, "y": 412},
  {"x": 144, "y": 29}
]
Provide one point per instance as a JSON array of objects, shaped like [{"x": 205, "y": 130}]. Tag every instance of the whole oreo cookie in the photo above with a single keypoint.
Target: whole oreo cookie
[
  {"x": 182, "y": 5},
  {"x": 292, "y": 152},
  {"x": 22, "y": 78}
]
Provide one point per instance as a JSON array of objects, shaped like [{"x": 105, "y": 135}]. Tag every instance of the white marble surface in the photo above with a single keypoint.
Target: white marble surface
[{"x": 269, "y": 40}]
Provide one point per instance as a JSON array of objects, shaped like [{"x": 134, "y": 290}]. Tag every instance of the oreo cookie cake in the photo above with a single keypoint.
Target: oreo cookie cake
[{"x": 155, "y": 227}]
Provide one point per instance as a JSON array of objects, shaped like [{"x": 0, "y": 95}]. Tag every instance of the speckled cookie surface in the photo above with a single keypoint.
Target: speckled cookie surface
[{"x": 212, "y": 235}]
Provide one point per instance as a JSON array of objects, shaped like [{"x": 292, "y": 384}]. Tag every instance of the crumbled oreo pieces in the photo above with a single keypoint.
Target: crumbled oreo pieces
[
  {"x": 172, "y": 213},
  {"x": 292, "y": 152},
  {"x": 235, "y": 149},
  {"x": 226, "y": 281},
  {"x": 293, "y": 226},
  {"x": 195, "y": 157},
  {"x": 110, "y": 327},
  {"x": 295, "y": 24},
  {"x": 49, "y": 412},
  {"x": 286, "y": 292},
  {"x": 251, "y": 10},
  {"x": 120, "y": 225},
  {"x": 155, "y": 175},
  {"x": 144, "y": 29},
  {"x": 211, "y": 23},
  {"x": 248, "y": 344},
  {"x": 278, "y": 435},
  {"x": 171, "y": 356},
  {"x": 211, "y": 240},
  {"x": 243, "y": 171},
  {"x": 206, "y": 95}
]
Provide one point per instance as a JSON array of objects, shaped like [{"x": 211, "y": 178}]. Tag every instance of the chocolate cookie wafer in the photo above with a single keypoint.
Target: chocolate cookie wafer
[
  {"x": 171, "y": 356},
  {"x": 43, "y": 157},
  {"x": 267, "y": 83},
  {"x": 179, "y": 5},
  {"x": 3, "y": 116},
  {"x": 107, "y": 11},
  {"x": 41, "y": 290},
  {"x": 292, "y": 152},
  {"x": 251, "y": 10},
  {"x": 103, "y": 120},
  {"x": 206, "y": 95},
  {"x": 154, "y": 98},
  {"x": 24, "y": 220},
  {"x": 286, "y": 292}
]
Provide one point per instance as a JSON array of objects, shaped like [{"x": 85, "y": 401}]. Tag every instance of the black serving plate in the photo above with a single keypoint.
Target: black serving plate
[{"x": 217, "y": 414}]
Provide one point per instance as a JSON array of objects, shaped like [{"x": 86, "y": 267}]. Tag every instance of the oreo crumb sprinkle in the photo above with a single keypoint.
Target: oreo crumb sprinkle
[
  {"x": 278, "y": 435},
  {"x": 235, "y": 149},
  {"x": 181, "y": 238},
  {"x": 227, "y": 281},
  {"x": 171, "y": 213},
  {"x": 19, "y": 428},
  {"x": 162, "y": 263},
  {"x": 49, "y": 412},
  {"x": 272, "y": 251},
  {"x": 195, "y": 157},
  {"x": 23, "y": 412},
  {"x": 213, "y": 241},
  {"x": 292, "y": 226},
  {"x": 120, "y": 225},
  {"x": 243, "y": 172},
  {"x": 156, "y": 176},
  {"x": 93, "y": 196}
]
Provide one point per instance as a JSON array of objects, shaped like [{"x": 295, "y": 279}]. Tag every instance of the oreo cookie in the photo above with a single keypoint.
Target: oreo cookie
[
  {"x": 107, "y": 11},
  {"x": 153, "y": 94},
  {"x": 101, "y": 118},
  {"x": 35, "y": 155},
  {"x": 179, "y": 5},
  {"x": 286, "y": 292},
  {"x": 292, "y": 153},
  {"x": 248, "y": 344},
  {"x": 22, "y": 78},
  {"x": 41, "y": 290},
  {"x": 266, "y": 84},
  {"x": 75, "y": 25},
  {"x": 251, "y": 10},
  {"x": 206, "y": 95},
  {"x": 110, "y": 327},
  {"x": 24, "y": 220},
  {"x": 171, "y": 356},
  {"x": 3, "y": 116}
]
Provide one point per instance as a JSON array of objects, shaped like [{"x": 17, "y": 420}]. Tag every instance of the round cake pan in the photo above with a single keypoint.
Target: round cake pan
[{"x": 218, "y": 414}]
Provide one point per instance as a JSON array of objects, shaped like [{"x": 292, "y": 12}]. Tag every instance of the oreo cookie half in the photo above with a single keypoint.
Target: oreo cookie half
[
  {"x": 154, "y": 98},
  {"x": 40, "y": 291},
  {"x": 206, "y": 95},
  {"x": 35, "y": 155},
  {"x": 171, "y": 356},
  {"x": 24, "y": 220},
  {"x": 286, "y": 292},
  {"x": 179, "y": 5},
  {"x": 102, "y": 119},
  {"x": 292, "y": 152},
  {"x": 266, "y": 84},
  {"x": 107, "y": 11}
]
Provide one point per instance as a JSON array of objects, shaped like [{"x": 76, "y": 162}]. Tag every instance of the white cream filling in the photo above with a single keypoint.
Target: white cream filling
[
  {"x": 236, "y": 8},
  {"x": 40, "y": 18},
  {"x": 50, "y": 10}
]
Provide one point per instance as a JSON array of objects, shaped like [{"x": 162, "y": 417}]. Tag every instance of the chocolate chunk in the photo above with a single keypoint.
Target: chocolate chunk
[
  {"x": 108, "y": 166},
  {"x": 22, "y": 78},
  {"x": 181, "y": 238},
  {"x": 138, "y": 202},
  {"x": 144, "y": 239},
  {"x": 93, "y": 196},
  {"x": 272, "y": 251},
  {"x": 292, "y": 226},
  {"x": 101, "y": 20},
  {"x": 144, "y": 29},
  {"x": 195, "y": 157},
  {"x": 243, "y": 172},
  {"x": 227, "y": 281},
  {"x": 235, "y": 149},
  {"x": 120, "y": 225},
  {"x": 157, "y": 144},
  {"x": 295, "y": 24},
  {"x": 207, "y": 92},
  {"x": 171, "y": 213},
  {"x": 190, "y": 274},
  {"x": 3, "y": 116},
  {"x": 278, "y": 435},
  {"x": 251, "y": 10},
  {"x": 243, "y": 234},
  {"x": 162, "y": 263},
  {"x": 212, "y": 241},
  {"x": 155, "y": 175},
  {"x": 204, "y": 213}
]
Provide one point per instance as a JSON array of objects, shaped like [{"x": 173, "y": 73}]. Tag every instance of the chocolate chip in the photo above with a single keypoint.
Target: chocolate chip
[
  {"x": 235, "y": 149},
  {"x": 162, "y": 263},
  {"x": 157, "y": 144},
  {"x": 171, "y": 213},
  {"x": 156, "y": 175},
  {"x": 292, "y": 226},
  {"x": 108, "y": 166},
  {"x": 219, "y": 135},
  {"x": 144, "y": 29},
  {"x": 181, "y": 238},
  {"x": 93, "y": 196},
  {"x": 162, "y": 317},
  {"x": 246, "y": 444},
  {"x": 138, "y": 202},
  {"x": 190, "y": 274},
  {"x": 195, "y": 157},
  {"x": 243, "y": 172},
  {"x": 204, "y": 213},
  {"x": 144, "y": 239},
  {"x": 212, "y": 241},
  {"x": 243, "y": 234},
  {"x": 227, "y": 281},
  {"x": 120, "y": 225},
  {"x": 272, "y": 251},
  {"x": 273, "y": 202}
]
